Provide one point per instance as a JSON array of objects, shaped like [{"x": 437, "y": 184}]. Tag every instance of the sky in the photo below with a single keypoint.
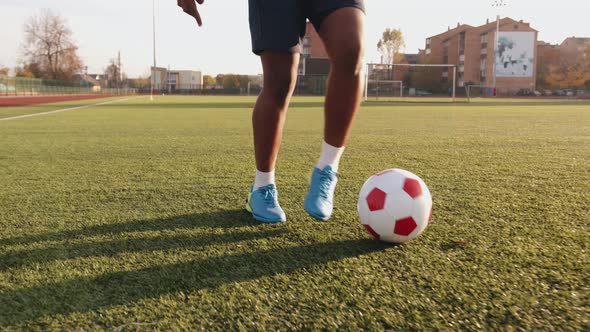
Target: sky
[{"x": 222, "y": 45}]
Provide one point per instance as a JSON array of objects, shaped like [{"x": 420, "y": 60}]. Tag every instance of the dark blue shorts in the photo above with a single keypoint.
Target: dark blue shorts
[{"x": 279, "y": 25}]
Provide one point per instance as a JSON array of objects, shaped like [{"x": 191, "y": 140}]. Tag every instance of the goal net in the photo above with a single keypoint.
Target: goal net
[
  {"x": 411, "y": 82},
  {"x": 383, "y": 89},
  {"x": 479, "y": 91}
]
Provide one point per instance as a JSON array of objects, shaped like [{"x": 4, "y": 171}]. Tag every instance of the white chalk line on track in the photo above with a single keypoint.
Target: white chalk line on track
[{"x": 67, "y": 109}]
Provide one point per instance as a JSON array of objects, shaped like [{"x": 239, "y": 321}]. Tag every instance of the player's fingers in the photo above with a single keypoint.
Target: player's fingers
[{"x": 198, "y": 18}]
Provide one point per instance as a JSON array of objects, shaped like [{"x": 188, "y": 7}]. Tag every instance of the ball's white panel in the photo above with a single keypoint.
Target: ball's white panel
[
  {"x": 381, "y": 222},
  {"x": 421, "y": 209},
  {"x": 425, "y": 189},
  {"x": 389, "y": 182},
  {"x": 406, "y": 174},
  {"x": 394, "y": 238},
  {"x": 363, "y": 209},
  {"x": 367, "y": 187},
  {"x": 399, "y": 204}
]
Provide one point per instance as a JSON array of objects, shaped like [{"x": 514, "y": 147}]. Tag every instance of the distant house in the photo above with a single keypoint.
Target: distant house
[{"x": 172, "y": 81}]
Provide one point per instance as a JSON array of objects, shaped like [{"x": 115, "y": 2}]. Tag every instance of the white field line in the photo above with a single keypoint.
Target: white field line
[{"x": 67, "y": 109}]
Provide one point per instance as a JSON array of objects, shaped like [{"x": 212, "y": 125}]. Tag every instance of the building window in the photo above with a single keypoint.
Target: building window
[
  {"x": 306, "y": 51},
  {"x": 484, "y": 38},
  {"x": 428, "y": 51},
  {"x": 427, "y": 41}
]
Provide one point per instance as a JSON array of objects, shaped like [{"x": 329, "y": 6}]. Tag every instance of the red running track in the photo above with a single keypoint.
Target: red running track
[{"x": 36, "y": 100}]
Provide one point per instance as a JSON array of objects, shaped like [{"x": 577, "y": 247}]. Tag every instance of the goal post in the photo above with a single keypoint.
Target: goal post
[
  {"x": 380, "y": 77},
  {"x": 383, "y": 88}
]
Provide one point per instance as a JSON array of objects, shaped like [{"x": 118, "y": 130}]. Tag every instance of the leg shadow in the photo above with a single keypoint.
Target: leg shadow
[{"x": 86, "y": 294}]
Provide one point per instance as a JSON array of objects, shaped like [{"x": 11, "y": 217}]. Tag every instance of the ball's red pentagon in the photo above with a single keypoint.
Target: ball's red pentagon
[
  {"x": 376, "y": 199},
  {"x": 405, "y": 226},
  {"x": 412, "y": 187},
  {"x": 372, "y": 231}
]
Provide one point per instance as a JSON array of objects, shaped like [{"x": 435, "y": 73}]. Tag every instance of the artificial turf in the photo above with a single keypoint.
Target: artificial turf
[{"x": 129, "y": 216}]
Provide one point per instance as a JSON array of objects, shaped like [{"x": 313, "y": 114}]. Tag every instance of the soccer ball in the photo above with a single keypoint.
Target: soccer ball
[{"x": 395, "y": 206}]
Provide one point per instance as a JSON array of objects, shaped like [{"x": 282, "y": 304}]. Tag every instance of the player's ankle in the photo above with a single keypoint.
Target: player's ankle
[
  {"x": 263, "y": 179},
  {"x": 330, "y": 156}
]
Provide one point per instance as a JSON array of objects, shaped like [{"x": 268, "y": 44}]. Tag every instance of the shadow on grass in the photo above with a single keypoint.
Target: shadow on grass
[
  {"x": 218, "y": 219},
  {"x": 17, "y": 259},
  {"x": 119, "y": 288}
]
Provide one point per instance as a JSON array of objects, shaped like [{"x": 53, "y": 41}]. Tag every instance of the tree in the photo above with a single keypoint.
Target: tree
[
  {"x": 50, "y": 45},
  {"x": 139, "y": 83},
  {"x": 564, "y": 76},
  {"x": 208, "y": 81},
  {"x": 219, "y": 79},
  {"x": 29, "y": 70},
  {"x": 390, "y": 45},
  {"x": 4, "y": 71},
  {"x": 113, "y": 74}
]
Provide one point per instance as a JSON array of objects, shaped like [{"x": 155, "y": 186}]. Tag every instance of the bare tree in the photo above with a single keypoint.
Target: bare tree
[
  {"x": 390, "y": 45},
  {"x": 112, "y": 74},
  {"x": 4, "y": 71},
  {"x": 49, "y": 43}
]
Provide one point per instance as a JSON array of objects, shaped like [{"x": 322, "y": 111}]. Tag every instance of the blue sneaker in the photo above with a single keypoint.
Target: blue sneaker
[
  {"x": 264, "y": 205},
  {"x": 319, "y": 202}
]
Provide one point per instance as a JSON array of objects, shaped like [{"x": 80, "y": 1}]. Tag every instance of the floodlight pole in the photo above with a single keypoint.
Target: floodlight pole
[
  {"x": 153, "y": 80},
  {"x": 367, "y": 82},
  {"x": 497, "y": 4},
  {"x": 454, "y": 82}
]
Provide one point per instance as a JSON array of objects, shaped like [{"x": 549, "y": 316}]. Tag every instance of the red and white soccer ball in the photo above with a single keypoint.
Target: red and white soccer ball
[{"x": 395, "y": 206}]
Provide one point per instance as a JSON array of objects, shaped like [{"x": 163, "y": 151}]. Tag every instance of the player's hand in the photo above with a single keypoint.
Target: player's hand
[{"x": 190, "y": 7}]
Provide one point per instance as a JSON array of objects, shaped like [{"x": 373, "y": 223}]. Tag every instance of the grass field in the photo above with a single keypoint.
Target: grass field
[{"x": 129, "y": 216}]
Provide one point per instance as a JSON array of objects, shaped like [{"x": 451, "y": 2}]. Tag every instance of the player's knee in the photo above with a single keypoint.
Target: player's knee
[
  {"x": 279, "y": 90},
  {"x": 350, "y": 58}
]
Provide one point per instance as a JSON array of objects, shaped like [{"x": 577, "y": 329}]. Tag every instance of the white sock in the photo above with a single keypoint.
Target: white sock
[
  {"x": 263, "y": 179},
  {"x": 330, "y": 157}
]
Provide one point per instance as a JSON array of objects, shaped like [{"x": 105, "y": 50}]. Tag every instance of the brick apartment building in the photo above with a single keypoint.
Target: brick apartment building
[
  {"x": 572, "y": 50},
  {"x": 471, "y": 49},
  {"x": 314, "y": 58},
  {"x": 314, "y": 65}
]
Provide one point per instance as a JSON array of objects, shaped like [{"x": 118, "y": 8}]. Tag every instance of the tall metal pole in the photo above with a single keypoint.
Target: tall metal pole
[
  {"x": 454, "y": 82},
  {"x": 154, "y": 46},
  {"x": 497, "y": 4},
  {"x": 496, "y": 40}
]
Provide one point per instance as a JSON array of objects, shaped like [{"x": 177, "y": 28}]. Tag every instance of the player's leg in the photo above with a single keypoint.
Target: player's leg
[
  {"x": 280, "y": 76},
  {"x": 342, "y": 34},
  {"x": 268, "y": 118},
  {"x": 275, "y": 37},
  {"x": 341, "y": 31}
]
